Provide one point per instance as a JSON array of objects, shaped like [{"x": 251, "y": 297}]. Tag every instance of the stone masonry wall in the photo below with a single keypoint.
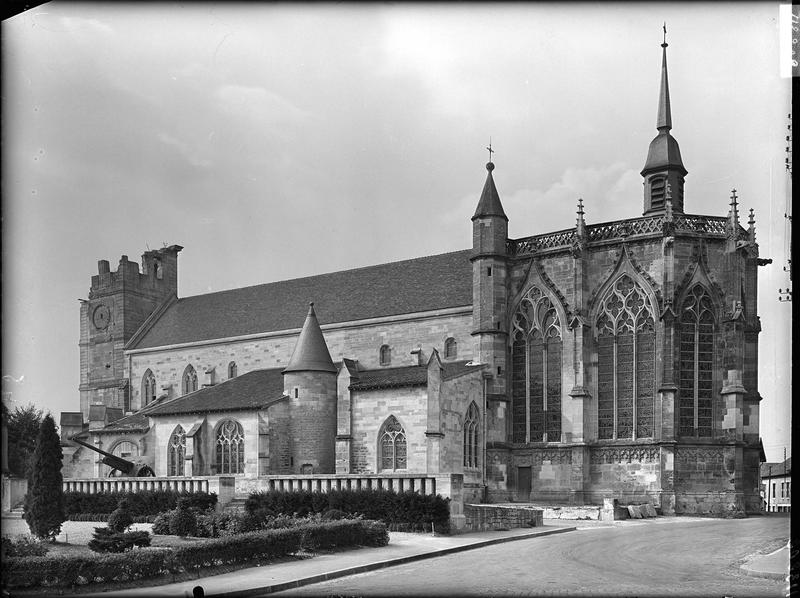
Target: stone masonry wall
[
  {"x": 370, "y": 411},
  {"x": 362, "y": 343}
]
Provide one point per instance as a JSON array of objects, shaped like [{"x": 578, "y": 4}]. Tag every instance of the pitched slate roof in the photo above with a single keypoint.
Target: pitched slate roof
[
  {"x": 410, "y": 286},
  {"x": 413, "y": 375},
  {"x": 249, "y": 391},
  {"x": 776, "y": 469}
]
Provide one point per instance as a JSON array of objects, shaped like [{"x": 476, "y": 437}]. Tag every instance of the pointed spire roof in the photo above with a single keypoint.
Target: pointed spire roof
[
  {"x": 664, "y": 121},
  {"x": 489, "y": 204},
  {"x": 664, "y": 152},
  {"x": 310, "y": 353}
]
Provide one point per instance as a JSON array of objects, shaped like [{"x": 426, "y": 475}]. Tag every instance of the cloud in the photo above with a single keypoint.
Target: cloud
[
  {"x": 190, "y": 153},
  {"x": 257, "y": 104}
]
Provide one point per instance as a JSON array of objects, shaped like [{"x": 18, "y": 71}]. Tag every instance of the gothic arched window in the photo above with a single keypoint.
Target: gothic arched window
[
  {"x": 189, "y": 379},
  {"x": 471, "y": 436},
  {"x": 392, "y": 445},
  {"x": 450, "y": 348},
  {"x": 125, "y": 449},
  {"x": 385, "y": 355},
  {"x": 230, "y": 447},
  {"x": 232, "y": 370},
  {"x": 148, "y": 388},
  {"x": 625, "y": 362},
  {"x": 696, "y": 363},
  {"x": 176, "y": 452},
  {"x": 536, "y": 370}
]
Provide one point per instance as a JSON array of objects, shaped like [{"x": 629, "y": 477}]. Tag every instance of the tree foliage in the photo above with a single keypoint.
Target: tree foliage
[
  {"x": 23, "y": 427},
  {"x": 44, "y": 503}
]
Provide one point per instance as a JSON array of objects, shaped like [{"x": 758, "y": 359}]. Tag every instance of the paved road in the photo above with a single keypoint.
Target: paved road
[{"x": 662, "y": 557}]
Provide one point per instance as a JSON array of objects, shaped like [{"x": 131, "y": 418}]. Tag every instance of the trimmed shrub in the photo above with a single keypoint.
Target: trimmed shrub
[
  {"x": 183, "y": 521},
  {"x": 161, "y": 523},
  {"x": 107, "y": 540},
  {"x": 121, "y": 518},
  {"x": 406, "y": 510},
  {"x": 103, "y": 517},
  {"x": 145, "y": 502},
  {"x": 22, "y": 546},
  {"x": 65, "y": 571},
  {"x": 333, "y": 515}
]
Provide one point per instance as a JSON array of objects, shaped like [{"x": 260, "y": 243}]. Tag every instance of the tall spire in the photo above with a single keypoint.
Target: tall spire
[
  {"x": 664, "y": 122},
  {"x": 310, "y": 353},
  {"x": 664, "y": 164}
]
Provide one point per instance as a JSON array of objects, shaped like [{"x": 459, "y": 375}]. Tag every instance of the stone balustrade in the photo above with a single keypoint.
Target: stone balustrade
[{"x": 124, "y": 484}]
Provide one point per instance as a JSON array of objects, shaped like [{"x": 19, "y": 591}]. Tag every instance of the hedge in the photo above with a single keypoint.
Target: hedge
[
  {"x": 405, "y": 510},
  {"x": 103, "y": 517},
  {"x": 145, "y": 502},
  {"x": 65, "y": 571}
]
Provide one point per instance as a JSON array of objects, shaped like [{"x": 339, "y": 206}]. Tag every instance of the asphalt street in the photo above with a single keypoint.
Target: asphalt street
[{"x": 673, "y": 556}]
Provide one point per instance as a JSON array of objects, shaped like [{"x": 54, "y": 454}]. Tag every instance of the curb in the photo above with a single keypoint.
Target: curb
[
  {"x": 296, "y": 583},
  {"x": 755, "y": 573}
]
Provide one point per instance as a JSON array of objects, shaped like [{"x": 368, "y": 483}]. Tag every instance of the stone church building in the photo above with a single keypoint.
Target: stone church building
[{"x": 616, "y": 359}]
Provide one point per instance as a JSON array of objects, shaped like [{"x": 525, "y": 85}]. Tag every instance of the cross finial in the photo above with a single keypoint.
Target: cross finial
[
  {"x": 491, "y": 151},
  {"x": 664, "y": 45}
]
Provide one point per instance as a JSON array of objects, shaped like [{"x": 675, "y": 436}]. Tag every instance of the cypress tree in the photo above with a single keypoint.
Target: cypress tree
[{"x": 44, "y": 503}]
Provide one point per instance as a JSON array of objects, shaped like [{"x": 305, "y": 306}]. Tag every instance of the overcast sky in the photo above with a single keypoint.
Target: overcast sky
[{"x": 279, "y": 141}]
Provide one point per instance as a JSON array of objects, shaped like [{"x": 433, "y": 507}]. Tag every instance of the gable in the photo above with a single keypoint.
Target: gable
[{"x": 410, "y": 286}]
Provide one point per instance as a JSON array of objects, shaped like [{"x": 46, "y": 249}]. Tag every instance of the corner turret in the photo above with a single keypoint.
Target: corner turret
[
  {"x": 489, "y": 280},
  {"x": 310, "y": 383}
]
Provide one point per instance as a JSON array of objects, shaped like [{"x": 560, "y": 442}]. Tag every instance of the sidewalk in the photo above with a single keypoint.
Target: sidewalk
[
  {"x": 402, "y": 548},
  {"x": 774, "y": 565}
]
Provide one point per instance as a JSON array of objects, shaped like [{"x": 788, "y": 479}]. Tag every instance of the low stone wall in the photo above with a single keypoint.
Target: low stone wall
[
  {"x": 573, "y": 512},
  {"x": 481, "y": 518}
]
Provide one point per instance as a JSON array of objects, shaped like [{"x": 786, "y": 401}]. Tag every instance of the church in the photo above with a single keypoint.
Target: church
[{"x": 606, "y": 360}]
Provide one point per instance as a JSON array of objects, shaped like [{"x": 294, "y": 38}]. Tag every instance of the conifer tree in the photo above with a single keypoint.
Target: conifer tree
[{"x": 44, "y": 504}]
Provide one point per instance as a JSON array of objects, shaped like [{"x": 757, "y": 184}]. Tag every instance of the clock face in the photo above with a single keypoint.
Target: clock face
[{"x": 101, "y": 317}]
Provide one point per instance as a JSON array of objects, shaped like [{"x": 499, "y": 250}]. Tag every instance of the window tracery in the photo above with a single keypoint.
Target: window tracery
[
  {"x": 148, "y": 388},
  {"x": 230, "y": 447},
  {"x": 471, "y": 436},
  {"x": 392, "y": 444},
  {"x": 696, "y": 364},
  {"x": 625, "y": 330},
  {"x": 176, "y": 452},
  {"x": 189, "y": 379},
  {"x": 536, "y": 353}
]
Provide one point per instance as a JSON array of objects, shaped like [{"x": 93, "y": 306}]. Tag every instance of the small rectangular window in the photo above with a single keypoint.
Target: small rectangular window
[
  {"x": 499, "y": 370},
  {"x": 489, "y": 271},
  {"x": 295, "y": 393}
]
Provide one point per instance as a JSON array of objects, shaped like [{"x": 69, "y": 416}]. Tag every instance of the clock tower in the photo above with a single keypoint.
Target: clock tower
[{"x": 118, "y": 304}]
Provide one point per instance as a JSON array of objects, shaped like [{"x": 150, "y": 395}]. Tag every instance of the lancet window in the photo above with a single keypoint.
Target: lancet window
[
  {"x": 233, "y": 370},
  {"x": 392, "y": 445},
  {"x": 696, "y": 363},
  {"x": 176, "y": 452},
  {"x": 385, "y": 355},
  {"x": 450, "y": 348},
  {"x": 471, "y": 436},
  {"x": 148, "y": 388},
  {"x": 230, "y": 447},
  {"x": 625, "y": 362},
  {"x": 189, "y": 379},
  {"x": 536, "y": 370}
]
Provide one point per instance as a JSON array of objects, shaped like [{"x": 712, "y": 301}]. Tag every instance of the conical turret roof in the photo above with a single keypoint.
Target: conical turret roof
[
  {"x": 310, "y": 353},
  {"x": 489, "y": 204}
]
